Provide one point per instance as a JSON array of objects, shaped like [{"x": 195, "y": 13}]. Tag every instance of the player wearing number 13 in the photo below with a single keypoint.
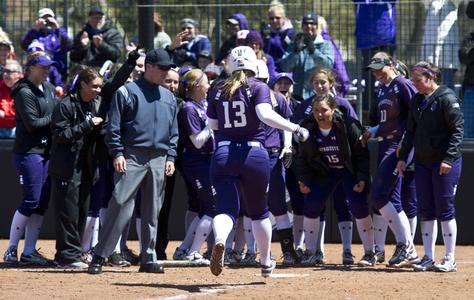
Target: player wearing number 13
[{"x": 236, "y": 108}]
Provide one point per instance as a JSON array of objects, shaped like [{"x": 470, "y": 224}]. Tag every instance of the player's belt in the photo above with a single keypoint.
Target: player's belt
[
  {"x": 238, "y": 144},
  {"x": 273, "y": 149}
]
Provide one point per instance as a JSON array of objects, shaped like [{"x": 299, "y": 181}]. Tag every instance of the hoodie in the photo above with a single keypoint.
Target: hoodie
[
  {"x": 33, "y": 116},
  {"x": 229, "y": 43}
]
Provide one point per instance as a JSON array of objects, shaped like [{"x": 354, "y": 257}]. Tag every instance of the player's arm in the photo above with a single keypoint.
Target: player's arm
[{"x": 267, "y": 115}]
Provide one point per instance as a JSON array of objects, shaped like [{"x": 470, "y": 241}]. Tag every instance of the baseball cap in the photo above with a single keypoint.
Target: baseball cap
[
  {"x": 42, "y": 60},
  {"x": 96, "y": 11},
  {"x": 6, "y": 43},
  {"x": 310, "y": 17},
  {"x": 233, "y": 21},
  {"x": 213, "y": 71},
  {"x": 262, "y": 70},
  {"x": 35, "y": 46},
  {"x": 187, "y": 21},
  {"x": 159, "y": 57},
  {"x": 377, "y": 63},
  {"x": 205, "y": 53},
  {"x": 283, "y": 75},
  {"x": 46, "y": 12}
]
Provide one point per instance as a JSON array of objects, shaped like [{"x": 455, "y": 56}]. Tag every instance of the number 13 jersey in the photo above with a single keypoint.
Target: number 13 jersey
[{"x": 236, "y": 115}]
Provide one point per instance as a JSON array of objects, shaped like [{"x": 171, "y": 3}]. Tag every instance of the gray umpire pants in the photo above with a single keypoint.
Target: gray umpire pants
[{"x": 144, "y": 171}]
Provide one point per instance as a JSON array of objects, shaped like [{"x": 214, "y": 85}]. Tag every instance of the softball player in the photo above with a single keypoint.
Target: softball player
[
  {"x": 394, "y": 98},
  {"x": 236, "y": 108},
  {"x": 435, "y": 130},
  {"x": 333, "y": 155},
  {"x": 198, "y": 141}
]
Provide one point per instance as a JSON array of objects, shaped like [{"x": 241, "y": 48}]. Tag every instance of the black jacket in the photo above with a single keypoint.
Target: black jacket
[
  {"x": 436, "y": 132},
  {"x": 310, "y": 164},
  {"x": 33, "y": 116},
  {"x": 110, "y": 49},
  {"x": 466, "y": 57},
  {"x": 77, "y": 144}
]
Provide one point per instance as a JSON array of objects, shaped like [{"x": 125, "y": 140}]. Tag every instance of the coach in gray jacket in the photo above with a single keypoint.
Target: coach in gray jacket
[{"x": 142, "y": 137}]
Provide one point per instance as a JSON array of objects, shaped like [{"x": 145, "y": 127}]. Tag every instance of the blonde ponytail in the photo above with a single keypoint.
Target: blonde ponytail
[{"x": 234, "y": 82}]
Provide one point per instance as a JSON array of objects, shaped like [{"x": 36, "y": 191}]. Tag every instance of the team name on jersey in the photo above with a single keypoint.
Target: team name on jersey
[
  {"x": 386, "y": 102},
  {"x": 329, "y": 148}
]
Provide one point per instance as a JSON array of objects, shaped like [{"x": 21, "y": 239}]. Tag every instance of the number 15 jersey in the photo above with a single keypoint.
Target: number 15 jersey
[{"x": 236, "y": 115}]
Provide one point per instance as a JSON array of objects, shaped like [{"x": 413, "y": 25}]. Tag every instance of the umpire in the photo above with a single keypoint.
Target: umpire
[{"x": 142, "y": 138}]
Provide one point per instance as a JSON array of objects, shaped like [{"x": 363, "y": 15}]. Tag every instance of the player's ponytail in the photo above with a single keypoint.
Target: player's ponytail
[{"x": 235, "y": 81}]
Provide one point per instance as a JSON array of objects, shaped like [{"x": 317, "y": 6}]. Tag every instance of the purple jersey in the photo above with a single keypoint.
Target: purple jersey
[
  {"x": 329, "y": 148},
  {"x": 236, "y": 115},
  {"x": 306, "y": 108},
  {"x": 392, "y": 107},
  {"x": 273, "y": 136},
  {"x": 192, "y": 119}
]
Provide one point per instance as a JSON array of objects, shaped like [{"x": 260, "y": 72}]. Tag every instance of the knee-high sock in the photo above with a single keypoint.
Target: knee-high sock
[
  {"x": 125, "y": 231},
  {"x": 32, "y": 231},
  {"x": 249, "y": 236},
  {"x": 366, "y": 233},
  {"x": 239, "y": 236},
  {"x": 282, "y": 222},
  {"x": 450, "y": 232},
  {"x": 189, "y": 218},
  {"x": 262, "y": 230},
  {"x": 87, "y": 236},
  {"x": 203, "y": 228},
  {"x": 229, "y": 243},
  {"x": 298, "y": 231},
  {"x": 17, "y": 228},
  {"x": 345, "y": 229},
  {"x": 413, "y": 222},
  {"x": 222, "y": 226},
  {"x": 406, "y": 226},
  {"x": 95, "y": 233},
  {"x": 320, "y": 240},
  {"x": 189, "y": 237},
  {"x": 395, "y": 223},
  {"x": 380, "y": 231},
  {"x": 429, "y": 233},
  {"x": 311, "y": 230}
]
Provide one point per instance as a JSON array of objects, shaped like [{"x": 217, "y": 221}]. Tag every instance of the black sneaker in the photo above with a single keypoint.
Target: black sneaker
[
  {"x": 379, "y": 255},
  {"x": 116, "y": 260},
  {"x": 130, "y": 256},
  {"x": 95, "y": 267},
  {"x": 35, "y": 259},
  {"x": 11, "y": 256},
  {"x": 368, "y": 260},
  {"x": 399, "y": 258},
  {"x": 151, "y": 268}
]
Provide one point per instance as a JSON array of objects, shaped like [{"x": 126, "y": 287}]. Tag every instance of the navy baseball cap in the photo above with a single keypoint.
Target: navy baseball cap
[
  {"x": 310, "y": 18},
  {"x": 160, "y": 57},
  {"x": 282, "y": 75},
  {"x": 42, "y": 60},
  {"x": 96, "y": 11}
]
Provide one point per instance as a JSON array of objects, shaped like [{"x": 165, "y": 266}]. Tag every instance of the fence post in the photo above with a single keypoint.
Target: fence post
[
  {"x": 146, "y": 30},
  {"x": 217, "y": 30}
]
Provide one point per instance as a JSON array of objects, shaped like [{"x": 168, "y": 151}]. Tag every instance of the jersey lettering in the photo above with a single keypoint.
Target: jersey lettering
[{"x": 238, "y": 107}]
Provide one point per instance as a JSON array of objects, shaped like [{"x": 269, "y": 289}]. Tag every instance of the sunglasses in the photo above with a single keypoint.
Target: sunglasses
[{"x": 274, "y": 18}]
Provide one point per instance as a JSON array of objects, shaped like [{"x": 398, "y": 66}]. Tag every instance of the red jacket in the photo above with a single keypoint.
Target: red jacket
[{"x": 6, "y": 104}]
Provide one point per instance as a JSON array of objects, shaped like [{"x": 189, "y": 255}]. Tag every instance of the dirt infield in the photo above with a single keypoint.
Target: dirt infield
[{"x": 332, "y": 281}]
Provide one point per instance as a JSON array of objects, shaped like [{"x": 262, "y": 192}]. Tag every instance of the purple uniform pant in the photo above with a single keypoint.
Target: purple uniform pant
[
  {"x": 409, "y": 202},
  {"x": 296, "y": 197},
  {"x": 341, "y": 204},
  {"x": 196, "y": 166},
  {"x": 102, "y": 188},
  {"x": 386, "y": 184},
  {"x": 239, "y": 165},
  {"x": 321, "y": 191},
  {"x": 33, "y": 177},
  {"x": 436, "y": 192},
  {"x": 276, "y": 189}
]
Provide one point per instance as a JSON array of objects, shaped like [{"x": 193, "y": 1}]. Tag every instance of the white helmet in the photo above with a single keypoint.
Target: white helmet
[
  {"x": 262, "y": 70},
  {"x": 242, "y": 58}
]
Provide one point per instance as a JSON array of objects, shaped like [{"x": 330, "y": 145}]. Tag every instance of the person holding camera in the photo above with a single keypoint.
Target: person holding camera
[
  {"x": 55, "y": 39},
  {"x": 308, "y": 51}
]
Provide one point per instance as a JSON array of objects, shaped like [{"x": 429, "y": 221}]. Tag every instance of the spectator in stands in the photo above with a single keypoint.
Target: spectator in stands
[
  {"x": 234, "y": 24},
  {"x": 254, "y": 41},
  {"x": 34, "y": 103},
  {"x": 161, "y": 39},
  {"x": 204, "y": 59},
  {"x": 441, "y": 39},
  {"x": 375, "y": 31},
  {"x": 55, "y": 39},
  {"x": 187, "y": 44},
  {"x": 278, "y": 34},
  {"x": 97, "y": 42},
  {"x": 11, "y": 74},
  {"x": 5, "y": 51},
  {"x": 339, "y": 67},
  {"x": 308, "y": 52},
  {"x": 466, "y": 56}
]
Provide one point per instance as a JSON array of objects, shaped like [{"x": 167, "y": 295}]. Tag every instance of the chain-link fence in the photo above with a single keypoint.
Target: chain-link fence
[{"x": 419, "y": 24}]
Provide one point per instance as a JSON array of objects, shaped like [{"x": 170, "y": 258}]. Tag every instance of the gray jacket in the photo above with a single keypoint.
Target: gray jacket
[{"x": 142, "y": 115}]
